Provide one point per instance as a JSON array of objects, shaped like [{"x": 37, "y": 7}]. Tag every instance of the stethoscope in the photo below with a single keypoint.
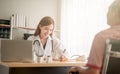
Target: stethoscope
[
  {"x": 36, "y": 45},
  {"x": 36, "y": 41},
  {"x": 37, "y": 50}
]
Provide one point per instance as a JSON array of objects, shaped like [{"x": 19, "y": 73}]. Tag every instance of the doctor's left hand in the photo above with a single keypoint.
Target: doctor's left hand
[{"x": 63, "y": 58}]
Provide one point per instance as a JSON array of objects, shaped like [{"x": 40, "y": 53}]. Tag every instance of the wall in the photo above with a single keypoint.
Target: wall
[{"x": 34, "y": 10}]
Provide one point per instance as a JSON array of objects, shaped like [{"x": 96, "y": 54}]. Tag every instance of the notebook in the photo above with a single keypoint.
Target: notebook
[{"x": 16, "y": 51}]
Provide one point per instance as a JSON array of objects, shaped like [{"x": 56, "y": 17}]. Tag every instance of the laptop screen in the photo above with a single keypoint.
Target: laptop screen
[{"x": 16, "y": 51}]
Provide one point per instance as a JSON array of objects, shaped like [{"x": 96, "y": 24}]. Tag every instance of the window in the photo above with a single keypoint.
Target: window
[{"x": 80, "y": 21}]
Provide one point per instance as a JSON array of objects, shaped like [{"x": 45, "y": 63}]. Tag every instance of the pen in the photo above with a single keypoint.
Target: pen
[{"x": 64, "y": 51}]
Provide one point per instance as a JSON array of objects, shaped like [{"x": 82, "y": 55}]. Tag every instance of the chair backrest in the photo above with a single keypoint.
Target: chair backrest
[{"x": 111, "y": 64}]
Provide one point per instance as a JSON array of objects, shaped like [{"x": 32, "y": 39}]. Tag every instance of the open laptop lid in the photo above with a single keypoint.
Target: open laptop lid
[{"x": 16, "y": 51}]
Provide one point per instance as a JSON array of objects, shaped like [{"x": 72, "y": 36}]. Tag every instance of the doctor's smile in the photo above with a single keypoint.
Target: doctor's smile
[{"x": 46, "y": 31}]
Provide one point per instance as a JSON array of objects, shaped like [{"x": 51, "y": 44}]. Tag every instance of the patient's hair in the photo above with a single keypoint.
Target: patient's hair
[
  {"x": 116, "y": 6},
  {"x": 113, "y": 18}
]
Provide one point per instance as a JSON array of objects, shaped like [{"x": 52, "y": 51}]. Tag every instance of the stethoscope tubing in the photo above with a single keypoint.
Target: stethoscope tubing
[{"x": 37, "y": 44}]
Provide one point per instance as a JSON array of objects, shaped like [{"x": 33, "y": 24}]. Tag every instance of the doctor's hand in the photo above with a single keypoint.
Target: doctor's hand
[
  {"x": 74, "y": 70},
  {"x": 63, "y": 58}
]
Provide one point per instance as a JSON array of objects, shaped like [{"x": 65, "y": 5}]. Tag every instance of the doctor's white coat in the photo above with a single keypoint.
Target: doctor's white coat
[{"x": 53, "y": 47}]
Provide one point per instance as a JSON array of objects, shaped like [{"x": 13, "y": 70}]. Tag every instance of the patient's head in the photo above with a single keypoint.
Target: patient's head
[{"x": 113, "y": 15}]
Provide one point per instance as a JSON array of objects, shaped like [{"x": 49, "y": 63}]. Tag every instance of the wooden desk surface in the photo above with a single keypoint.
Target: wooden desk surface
[{"x": 53, "y": 64}]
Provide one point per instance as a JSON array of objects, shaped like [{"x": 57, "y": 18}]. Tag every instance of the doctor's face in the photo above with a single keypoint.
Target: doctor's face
[{"x": 46, "y": 30}]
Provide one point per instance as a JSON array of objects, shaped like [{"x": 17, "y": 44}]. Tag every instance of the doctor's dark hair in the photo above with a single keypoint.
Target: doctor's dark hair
[{"x": 45, "y": 21}]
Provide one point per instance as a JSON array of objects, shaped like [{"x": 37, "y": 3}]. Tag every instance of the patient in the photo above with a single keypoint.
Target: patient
[{"x": 95, "y": 61}]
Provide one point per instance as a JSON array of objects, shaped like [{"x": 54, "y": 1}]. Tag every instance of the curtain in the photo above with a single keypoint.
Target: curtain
[{"x": 80, "y": 21}]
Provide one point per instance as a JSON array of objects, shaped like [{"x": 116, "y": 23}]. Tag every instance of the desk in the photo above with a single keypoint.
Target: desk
[{"x": 55, "y": 67}]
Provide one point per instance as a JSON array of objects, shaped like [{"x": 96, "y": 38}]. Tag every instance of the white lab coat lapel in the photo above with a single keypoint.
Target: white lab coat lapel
[
  {"x": 41, "y": 46},
  {"x": 38, "y": 48},
  {"x": 48, "y": 47}
]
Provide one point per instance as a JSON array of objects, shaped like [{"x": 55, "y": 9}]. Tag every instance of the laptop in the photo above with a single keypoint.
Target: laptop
[{"x": 16, "y": 51}]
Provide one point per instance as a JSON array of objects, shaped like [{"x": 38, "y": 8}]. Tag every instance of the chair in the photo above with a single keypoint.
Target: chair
[{"x": 111, "y": 64}]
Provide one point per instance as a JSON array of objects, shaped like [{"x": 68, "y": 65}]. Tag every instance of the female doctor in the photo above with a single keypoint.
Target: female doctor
[{"x": 44, "y": 44}]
